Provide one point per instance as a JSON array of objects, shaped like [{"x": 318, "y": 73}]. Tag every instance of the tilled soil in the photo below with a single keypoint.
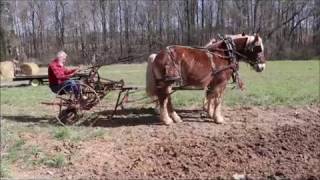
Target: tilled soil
[{"x": 256, "y": 143}]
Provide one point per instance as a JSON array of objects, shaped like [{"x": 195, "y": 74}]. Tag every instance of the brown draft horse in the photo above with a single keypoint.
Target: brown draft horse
[{"x": 210, "y": 68}]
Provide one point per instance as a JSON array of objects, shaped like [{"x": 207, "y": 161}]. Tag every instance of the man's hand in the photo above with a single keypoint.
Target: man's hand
[
  {"x": 72, "y": 74},
  {"x": 79, "y": 68}
]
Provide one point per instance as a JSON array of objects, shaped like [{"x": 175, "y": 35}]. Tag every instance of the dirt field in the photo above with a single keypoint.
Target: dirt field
[{"x": 267, "y": 143}]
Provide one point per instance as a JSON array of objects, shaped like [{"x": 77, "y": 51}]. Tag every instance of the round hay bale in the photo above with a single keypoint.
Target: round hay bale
[
  {"x": 29, "y": 68},
  {"x": 7, "y": 69}
]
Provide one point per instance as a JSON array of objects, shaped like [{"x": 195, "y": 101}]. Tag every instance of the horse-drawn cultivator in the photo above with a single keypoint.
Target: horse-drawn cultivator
[
  {"x": 208, "y": 68},
  {"x": 76, "y": 104}
]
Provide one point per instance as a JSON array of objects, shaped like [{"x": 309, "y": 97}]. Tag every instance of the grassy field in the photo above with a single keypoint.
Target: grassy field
[
  {"x": 282, "y": 83},
  {"x": 288, "y": 83}
]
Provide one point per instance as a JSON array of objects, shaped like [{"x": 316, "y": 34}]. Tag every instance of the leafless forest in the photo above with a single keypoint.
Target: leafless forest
[{"x": 115, "y": 29}]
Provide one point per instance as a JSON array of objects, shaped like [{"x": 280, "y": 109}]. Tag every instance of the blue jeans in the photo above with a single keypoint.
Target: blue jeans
[{"x": 70, "y": 86}]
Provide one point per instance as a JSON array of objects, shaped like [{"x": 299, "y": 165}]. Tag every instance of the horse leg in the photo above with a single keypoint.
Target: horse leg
[
  {"x": 217, "y": 103},
  {"x": 156, "y": 108},
  {"x": 172, "y": 112},
  {"x": 163, "y": 96},
  {"x": 210, "y": 104},
  {"x": 205, "y": 104}
]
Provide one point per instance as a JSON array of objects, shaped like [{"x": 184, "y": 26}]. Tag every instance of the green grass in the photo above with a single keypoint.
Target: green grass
[
  {"x": 16, "y": 150},
  {"x": 4, "y": 169},
  {"x": 56, "y": 161},
  {"x": 283, "y": 83},
  {"x": 62, "y": 133},
  {"x": 77, "y": 134}
]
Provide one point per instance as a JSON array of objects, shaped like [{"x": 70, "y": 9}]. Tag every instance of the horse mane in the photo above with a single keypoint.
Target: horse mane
[
  {"x": 213, "y": 43},
  {"x": 250, "y": 39}
]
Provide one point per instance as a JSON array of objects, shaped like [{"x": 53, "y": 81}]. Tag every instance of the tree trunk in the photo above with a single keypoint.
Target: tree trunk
[
  {"x": 103, "y": 23},
  {"x": 34, "y": 38},
  {"x": 120, "y": 28},
  {"x": 2, "y": 34},
  {"x": 94, "y": 21},
  {"x": 127, "y": 26},
  {"x": 62, "y": 4},
  {"x": 160, "y": 19}
]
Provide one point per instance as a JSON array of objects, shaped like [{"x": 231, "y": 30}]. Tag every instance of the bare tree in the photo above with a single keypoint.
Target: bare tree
[
  {"x": 2, "y": 33},
  {"x": 113, "y": 29},
  {"x": 59, "y": 22}
]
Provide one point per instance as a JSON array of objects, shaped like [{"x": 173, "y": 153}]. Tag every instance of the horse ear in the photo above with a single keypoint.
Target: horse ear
[
  {"x": 256, "y": 36},
  {"x": 243, "y": 34}
]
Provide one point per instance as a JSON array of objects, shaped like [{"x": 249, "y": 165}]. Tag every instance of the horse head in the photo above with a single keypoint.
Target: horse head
[{"x": 250, "y": 49}]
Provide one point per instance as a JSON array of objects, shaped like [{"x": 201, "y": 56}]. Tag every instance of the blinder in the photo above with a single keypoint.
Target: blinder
[
  {"x": 257, "y": 49},
  {"x": 254, "y": 49}
]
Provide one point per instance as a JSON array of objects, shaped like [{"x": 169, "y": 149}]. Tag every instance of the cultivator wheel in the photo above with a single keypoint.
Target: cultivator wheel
[{"x": 76, "y": 105}]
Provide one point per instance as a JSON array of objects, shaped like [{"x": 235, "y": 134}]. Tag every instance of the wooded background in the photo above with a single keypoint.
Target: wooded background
[{"x": 114, "y": 29}]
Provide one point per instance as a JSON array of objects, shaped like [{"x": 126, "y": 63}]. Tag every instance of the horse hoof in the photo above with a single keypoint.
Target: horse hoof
[
  {"x": 167, "y": 121},
  {"x": 176, "y": 118},
  {"x": 219, "y": 121},
  {"x": 211, "y": 116}
]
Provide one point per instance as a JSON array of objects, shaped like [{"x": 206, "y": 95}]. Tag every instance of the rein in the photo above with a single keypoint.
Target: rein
[
  {"x": 234, "y": 64},
  {"x": 231, "y": 56}
]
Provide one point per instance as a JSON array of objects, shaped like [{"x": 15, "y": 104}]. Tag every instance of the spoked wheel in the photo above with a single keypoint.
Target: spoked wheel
[{"x": 76, "y": 104}]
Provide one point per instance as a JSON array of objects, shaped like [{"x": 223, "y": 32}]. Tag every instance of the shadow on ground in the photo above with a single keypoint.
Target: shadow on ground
[
  {"x": 126, "y": 117},
  {"x": 13, "y": 85},
  {"x": 28, "y": 118}
]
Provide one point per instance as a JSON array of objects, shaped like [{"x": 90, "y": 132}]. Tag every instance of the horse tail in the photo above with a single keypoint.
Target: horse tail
[{"x": 150, "y": 80}]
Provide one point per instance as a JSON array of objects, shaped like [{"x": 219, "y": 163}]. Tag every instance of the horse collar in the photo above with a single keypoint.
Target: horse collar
[{"x": 234, "y": 64}]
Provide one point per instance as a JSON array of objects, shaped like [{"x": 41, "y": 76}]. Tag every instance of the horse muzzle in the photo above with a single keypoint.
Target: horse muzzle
[{"x": 260, "y": 67}]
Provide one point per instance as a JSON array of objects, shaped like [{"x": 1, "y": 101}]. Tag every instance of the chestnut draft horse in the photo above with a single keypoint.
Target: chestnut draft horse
[{"x": 210, "y": 67}]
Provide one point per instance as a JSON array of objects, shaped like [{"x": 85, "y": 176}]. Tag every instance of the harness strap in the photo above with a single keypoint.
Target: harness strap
[
  {"x": 234, "y": 64},
  {"x": 168, "y": 48},
  {"x": 230, "y": 66},
  {"x": 211, "y": 61},
  {"x": 173, "y": 64},
  {"x": 231, "y": 55}
]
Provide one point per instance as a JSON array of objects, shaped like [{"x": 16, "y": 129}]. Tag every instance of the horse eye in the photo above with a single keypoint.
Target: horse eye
[{"x": 257, "y": 49}]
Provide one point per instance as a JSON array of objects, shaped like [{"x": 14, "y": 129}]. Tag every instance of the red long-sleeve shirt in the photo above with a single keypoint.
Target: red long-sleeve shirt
[{"x": 57, "y": 73}]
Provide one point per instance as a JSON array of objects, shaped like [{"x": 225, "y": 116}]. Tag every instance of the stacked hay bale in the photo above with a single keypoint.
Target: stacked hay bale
[
  {"x": 6, "y": 70},
  {"x": 29, "y": 68}
]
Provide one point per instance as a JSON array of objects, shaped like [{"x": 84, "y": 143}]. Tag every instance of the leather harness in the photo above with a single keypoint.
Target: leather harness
[
  {"x": 230, "y": 54},
  {"x": 233, "y": 63}
]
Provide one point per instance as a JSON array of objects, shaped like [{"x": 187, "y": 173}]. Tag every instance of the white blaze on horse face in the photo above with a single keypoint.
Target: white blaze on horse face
[{"x": 262, "y": 66}]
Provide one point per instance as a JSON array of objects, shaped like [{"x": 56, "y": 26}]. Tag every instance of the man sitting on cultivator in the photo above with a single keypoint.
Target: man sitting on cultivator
[{"x": 59, "y": 76}]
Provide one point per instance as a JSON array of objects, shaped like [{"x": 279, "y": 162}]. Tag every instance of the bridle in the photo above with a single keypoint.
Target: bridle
[
  {"x": 231, "y": 50},
  {"x": 232, "y": 54},
  {"x": 247, "y": 59}
]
